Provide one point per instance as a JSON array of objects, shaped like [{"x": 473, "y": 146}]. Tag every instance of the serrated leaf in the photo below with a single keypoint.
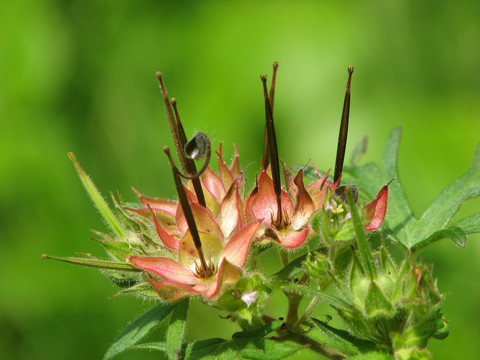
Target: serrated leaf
[
  {"x": 447, "y": 203},
  {"x": 138, "y": 329},
  {"x": 260, "y": 332},
  {"x": 456, "y": 234},
  {"x": 268, "y": 349},
  {"x": 112, "y": 221},
  {"x": 303, "y": 289},
  {"x": 176, "y": 329},
  {"x": 253, "y": 345},
  {"x": 210, "y": 349},
  {"x": 344, "y": 341},
  {"x": 95, "y": 263},
  {"x": 293, "y": 268}
]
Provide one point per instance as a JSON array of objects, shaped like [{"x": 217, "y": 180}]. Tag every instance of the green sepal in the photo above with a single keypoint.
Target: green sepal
[
  {"x": 121, "y": 279},
  {"x": 355, "y": 321},
  {"x": 95, "y": 263},
  {"x": 115, "y": 248},
  {"x": 344, "y": 342},
  {"x": 143, "y": 289},
  {"x": 376, "y": 303},
  {"x": 112, "y": 221},
  {"x": 139, "y": 328},
  {"x": 386, "y": 262},
  {"x": 317, "y": 265},
  {"x": 176, "y": 330},
  {"x": 412, "y": 353}
]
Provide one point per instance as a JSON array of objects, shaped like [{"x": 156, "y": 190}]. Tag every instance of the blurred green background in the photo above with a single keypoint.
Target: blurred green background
[{"x": 80, "y": 76}]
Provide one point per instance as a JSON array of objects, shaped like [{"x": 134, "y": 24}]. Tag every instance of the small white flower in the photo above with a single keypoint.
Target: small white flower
[{"x": 249, "y": 297}]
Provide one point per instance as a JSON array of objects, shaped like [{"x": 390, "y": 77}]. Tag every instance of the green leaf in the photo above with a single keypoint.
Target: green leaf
[
  {"x": 344, "y": 341},
  {"x": 447, "y": 203},
  {"x": 139, "y": 328},
  {"x": 211, "y": 349},
  {"x": 112, "y": 221},
  {"x": 470, "y": 224},
  {"x": 372, "y": 356},
  {"x": 95, "y": 263},
  {"x": 363, "y": 247},
  {"x": 268, "y": 349},
  {"x": 456, "y": 234},
  {"x": 252, "y": 345},
  {"x": 260, "y": 332},
  {"x": 293, "y": 268},
  {"x": 176, "y": 329},
  {"x": 302, "y": 289}
]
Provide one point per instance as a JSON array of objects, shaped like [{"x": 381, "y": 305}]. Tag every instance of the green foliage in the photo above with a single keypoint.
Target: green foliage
[
  {"x": 400, "y": 224},
  {"x": 139, "y": 328}
]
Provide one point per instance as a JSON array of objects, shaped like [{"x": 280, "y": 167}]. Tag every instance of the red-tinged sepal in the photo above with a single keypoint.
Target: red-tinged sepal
[
  {"x": 264, "y": 205},
  {"x": 204, "y": 219},
  {"x": 236, "y": 250},
  {"x": 213, "y": 185},
  {"x": 225, "y": 175},
  {"x": 168, "y": 208},
  {"x": 235, "y": 166},
  {"x": 228, "y": 275},
  {"x": 167, "y": 268},
  {"x": 292, "y": 239},
  {"x": 229, "y": 214},
  {"x": 304, "y": 206},
  {"x": 375, "y": 211},
  {"x": 169, "y": 241}
]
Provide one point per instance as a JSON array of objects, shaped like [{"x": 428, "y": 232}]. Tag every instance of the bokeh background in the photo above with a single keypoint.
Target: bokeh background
[{"x": 80, "y": 76}]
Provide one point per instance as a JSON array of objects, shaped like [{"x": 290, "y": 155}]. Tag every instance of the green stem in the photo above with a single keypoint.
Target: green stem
[{"x": 308, "y": 311}]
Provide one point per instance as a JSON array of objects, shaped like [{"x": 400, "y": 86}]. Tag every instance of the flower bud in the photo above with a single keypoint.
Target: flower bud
[{"x": 317, "y": 265}]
